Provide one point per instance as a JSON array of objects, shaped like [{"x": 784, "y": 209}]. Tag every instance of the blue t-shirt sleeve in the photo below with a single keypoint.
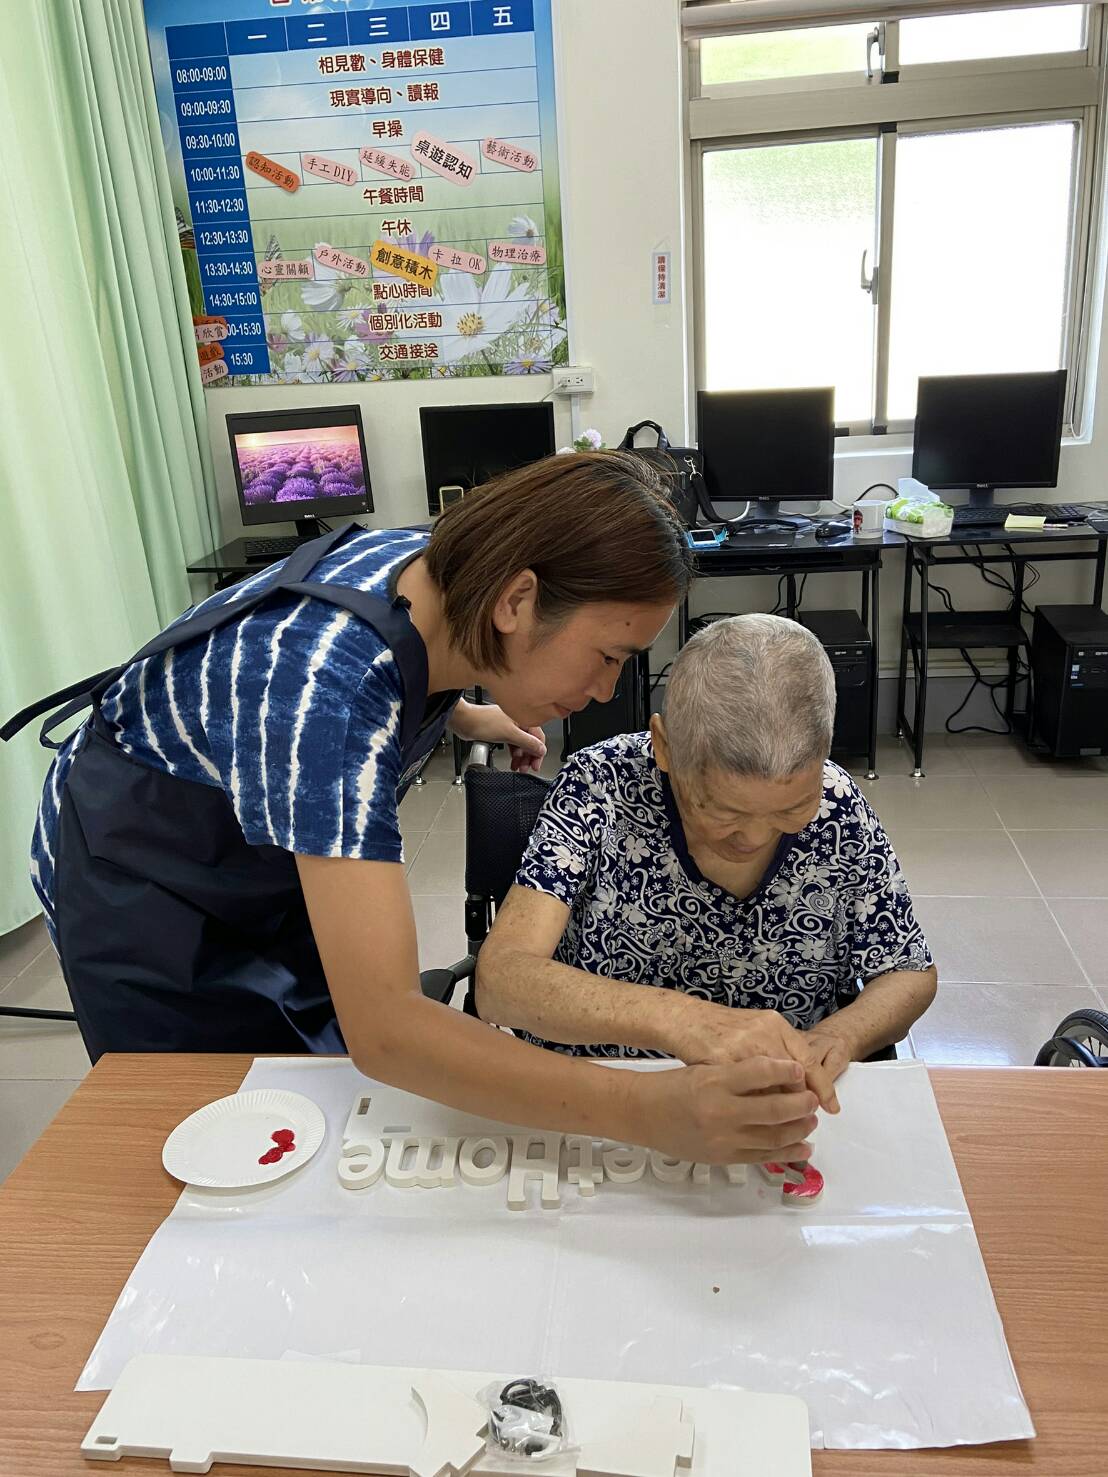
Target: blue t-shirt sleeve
[
  {"x": 564, "y": 848},
  {"x": 317, "y": 772},
  {"x": 885, "y": 934}
]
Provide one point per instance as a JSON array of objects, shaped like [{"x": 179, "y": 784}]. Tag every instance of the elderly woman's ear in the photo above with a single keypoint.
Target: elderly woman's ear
[{"x": 658, "y": 738}]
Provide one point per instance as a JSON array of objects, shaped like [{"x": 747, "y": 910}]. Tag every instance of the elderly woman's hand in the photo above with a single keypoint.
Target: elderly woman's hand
[
  {"x": 721, "y": 1033},
  {"x": 828, "y": 1049}
]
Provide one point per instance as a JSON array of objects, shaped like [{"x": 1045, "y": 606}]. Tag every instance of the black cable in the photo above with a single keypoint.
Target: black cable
[
  {"x": 800, "y": 593},
  {"x": 992, "y": 688}
]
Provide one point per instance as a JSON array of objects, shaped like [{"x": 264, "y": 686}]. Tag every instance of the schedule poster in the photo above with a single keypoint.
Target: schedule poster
[{"x": 364, "y": 190}]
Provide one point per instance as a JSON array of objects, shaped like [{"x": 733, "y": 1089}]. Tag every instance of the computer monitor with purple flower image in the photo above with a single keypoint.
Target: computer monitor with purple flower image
[{"x": 297, "y": 466}]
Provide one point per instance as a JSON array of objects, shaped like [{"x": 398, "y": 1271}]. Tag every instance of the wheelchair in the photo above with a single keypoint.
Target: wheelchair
[{"x": 1081, "y": 1040}]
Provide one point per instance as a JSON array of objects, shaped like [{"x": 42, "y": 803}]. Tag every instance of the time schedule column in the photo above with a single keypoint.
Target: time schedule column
[{"x": 204, "y": 103}]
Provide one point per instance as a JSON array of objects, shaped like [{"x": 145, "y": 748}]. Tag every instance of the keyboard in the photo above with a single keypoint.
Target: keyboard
[
  {"x": 271, "y": 548},
  {"x": 997, "y": 515}
]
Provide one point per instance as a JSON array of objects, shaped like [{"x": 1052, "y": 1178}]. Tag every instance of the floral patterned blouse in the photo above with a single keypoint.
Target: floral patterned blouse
[{"x": 831, "y": 912}]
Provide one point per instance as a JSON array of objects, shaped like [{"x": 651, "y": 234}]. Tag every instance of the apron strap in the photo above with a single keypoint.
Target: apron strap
[
  {"x": 75, "y": 697},
  {"x": 389, "y": 619}
]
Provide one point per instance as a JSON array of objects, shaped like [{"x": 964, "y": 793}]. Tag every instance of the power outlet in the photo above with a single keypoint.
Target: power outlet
[{"x": 571, "y": 380}]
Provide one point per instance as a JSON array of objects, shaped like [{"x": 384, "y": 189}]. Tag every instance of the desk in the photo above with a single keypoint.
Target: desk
[
  {"x": 803, "y": 554},
  {"x": 77, "y": 1213},
  {"x": 982, "y": 629}
]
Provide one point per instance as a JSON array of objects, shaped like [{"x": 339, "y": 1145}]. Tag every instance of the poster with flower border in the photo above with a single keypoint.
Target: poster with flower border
[{"x": 364, "y": 189}]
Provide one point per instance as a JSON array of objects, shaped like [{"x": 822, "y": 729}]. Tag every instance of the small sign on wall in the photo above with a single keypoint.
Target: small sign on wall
[{"x": 660, "y": 277}]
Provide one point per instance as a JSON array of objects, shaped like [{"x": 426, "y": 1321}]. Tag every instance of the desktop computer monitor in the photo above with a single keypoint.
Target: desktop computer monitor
[
  {"x": 766, "y": 447},
  {"x": 984, "y": 431},
  {"x": 466, "y": 445},
  {"x": 300, "y": 465}
]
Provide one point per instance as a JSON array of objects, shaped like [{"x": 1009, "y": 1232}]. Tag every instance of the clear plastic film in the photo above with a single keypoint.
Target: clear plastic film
[{"x": 873, "y": 1306}]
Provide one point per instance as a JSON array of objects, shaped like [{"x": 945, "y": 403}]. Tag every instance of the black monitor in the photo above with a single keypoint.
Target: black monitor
[
  {"x": 300, "y": 465},
  {"x": 984, "y": 431},
  {"x": 465, "y": 445},
  {"x": 768, "y": 447}
]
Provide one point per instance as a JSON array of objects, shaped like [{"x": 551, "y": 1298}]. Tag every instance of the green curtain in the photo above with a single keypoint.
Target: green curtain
[{"x": 106, "y": 487}]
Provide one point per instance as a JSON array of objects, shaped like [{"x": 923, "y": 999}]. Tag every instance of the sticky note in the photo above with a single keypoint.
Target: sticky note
[
  {"x": 280, "y": 271},
  {"x": 217, "y": 370},
  {"x": 342, "y": 261},
  {"x": 390, "y": 256},
  {"x": 1017, "y": 521},
  {"x": 209, "y": 330},
  {"x": 526, "y": 252},
  {"x": 270, "y": 170},
  {"x": 446, "y": 160},
  {"x": 341, "y": 174},
  {"x": 458, "y": 261},
  {"x": 209, "y": 353},
  {"x": 390, "y": 164},
  {"x": 512, "y": 155}
]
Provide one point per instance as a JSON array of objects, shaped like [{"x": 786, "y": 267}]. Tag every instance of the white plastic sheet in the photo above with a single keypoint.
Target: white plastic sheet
[{"x": 874, "y": 1306}]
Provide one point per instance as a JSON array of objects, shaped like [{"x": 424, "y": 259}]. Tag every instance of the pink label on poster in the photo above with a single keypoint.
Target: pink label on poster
[
  {"x": 389, "y": 164},
  {"x": 341, "y": 261},
  {"x": 341, "y": 174},
  {"x": 210, "y": 333},
  {"x": 525, "y": 253},
  {"x": 217, "y": 370},
  {"x": 279, "y": 271},
  {"x": 460, "y": 261},
  {"x": 512, "y": 155},
  {"x": 444, "y": 159}
]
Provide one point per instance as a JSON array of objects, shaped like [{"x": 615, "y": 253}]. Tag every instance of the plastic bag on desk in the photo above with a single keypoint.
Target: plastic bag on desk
[{"x": 918, "y": 512}]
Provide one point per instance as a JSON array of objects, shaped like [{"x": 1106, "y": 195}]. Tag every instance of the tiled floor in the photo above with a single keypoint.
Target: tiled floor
[{"x": 1007, "y": 857}]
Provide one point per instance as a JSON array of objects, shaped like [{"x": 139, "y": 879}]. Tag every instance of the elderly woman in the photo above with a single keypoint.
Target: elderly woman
[{"x": 723, "y": 860}]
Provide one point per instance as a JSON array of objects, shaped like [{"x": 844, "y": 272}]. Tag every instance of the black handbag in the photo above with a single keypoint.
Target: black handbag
[{"x": 682, "y": 471}]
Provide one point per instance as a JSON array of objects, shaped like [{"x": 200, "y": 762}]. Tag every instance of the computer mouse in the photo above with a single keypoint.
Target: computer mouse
[{"x": 831, "y": 530}]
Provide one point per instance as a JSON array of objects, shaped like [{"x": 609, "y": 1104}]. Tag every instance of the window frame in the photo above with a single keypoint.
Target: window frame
[{"x": 927, "y": 98}]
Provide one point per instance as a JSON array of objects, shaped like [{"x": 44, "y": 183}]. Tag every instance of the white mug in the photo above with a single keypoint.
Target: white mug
[{"x": 869, "y": 517}]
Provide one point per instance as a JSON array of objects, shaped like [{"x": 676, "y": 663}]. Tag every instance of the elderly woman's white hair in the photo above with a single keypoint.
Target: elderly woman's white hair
[{"x": 751, "y": 695}]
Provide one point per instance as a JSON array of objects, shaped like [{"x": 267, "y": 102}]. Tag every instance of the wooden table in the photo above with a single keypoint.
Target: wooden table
[{"x": 1031, "y": 1147}]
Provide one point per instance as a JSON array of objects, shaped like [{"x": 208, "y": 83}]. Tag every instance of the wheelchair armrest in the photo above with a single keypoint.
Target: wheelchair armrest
[{"x": 440, "y": 984}]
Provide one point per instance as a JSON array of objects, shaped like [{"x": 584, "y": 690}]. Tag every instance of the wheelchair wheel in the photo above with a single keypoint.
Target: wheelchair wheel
[{"x": 1080, "y": 1041}]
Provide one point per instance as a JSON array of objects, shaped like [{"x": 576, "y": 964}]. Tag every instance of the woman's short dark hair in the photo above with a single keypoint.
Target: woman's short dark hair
[{"x": 593, "y": 526}]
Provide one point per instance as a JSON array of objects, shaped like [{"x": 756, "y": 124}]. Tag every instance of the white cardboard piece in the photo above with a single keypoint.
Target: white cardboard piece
[
  {"x": 196, "y": 1410},
  {"x": 653, "y": 1283}
]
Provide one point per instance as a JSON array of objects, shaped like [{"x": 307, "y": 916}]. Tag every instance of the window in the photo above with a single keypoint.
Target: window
[
  {"x": 816, "y": 51},
  {"x": 1036, "y": 31},
  {"x": 934, "y": 220}
]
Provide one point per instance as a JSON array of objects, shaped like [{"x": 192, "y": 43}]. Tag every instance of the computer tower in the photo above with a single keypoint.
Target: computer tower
[
  {"x": 1069, "y": 671},
  {"x": 848, "y": 644},
  {"x": 623, "y": 713}
]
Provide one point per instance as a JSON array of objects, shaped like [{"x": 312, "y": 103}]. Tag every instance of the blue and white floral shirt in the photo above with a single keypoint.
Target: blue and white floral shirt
[{"x": 831, "y": 911}]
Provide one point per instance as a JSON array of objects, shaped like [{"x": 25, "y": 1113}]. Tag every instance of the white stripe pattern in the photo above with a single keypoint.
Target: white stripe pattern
[
  {"x": 147, "y": 726},
  {"x": 318, "y": 657},
  {"x": 263, "y": 712},
  {"x": 236, "y": 667},
  {"x": 178, "y": 723},
  {"x": 367, "y": 776}
]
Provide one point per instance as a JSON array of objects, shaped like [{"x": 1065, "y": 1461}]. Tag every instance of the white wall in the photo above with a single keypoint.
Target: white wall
[{"x": 624, "y": 162}]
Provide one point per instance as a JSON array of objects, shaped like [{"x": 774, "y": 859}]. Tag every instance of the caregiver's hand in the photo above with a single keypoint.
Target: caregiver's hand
[
  {"x": 707, "y": 1033},
  {"x": 485, "y": 723},
  {"x": 740, "y": 1113}
]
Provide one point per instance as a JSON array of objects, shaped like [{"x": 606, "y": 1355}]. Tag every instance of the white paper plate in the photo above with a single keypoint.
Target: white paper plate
[{"x": 218, "y": 1147}]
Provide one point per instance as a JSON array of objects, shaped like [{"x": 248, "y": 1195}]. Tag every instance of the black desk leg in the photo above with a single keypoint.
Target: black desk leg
[
  {"x": 1098, "y": 580},
  {"x": 790, "y": 596},
  {"x": 921, "y": 671},
  {"x": 902, "y": 675},
  {"x": 871, "y": 614},
  {"x": 1014, "y": 652},
  {"x": 682, "y": 623}
]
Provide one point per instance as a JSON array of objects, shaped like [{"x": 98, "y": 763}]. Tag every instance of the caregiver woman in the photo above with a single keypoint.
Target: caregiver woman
[{"x": 217, "y": 850}]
